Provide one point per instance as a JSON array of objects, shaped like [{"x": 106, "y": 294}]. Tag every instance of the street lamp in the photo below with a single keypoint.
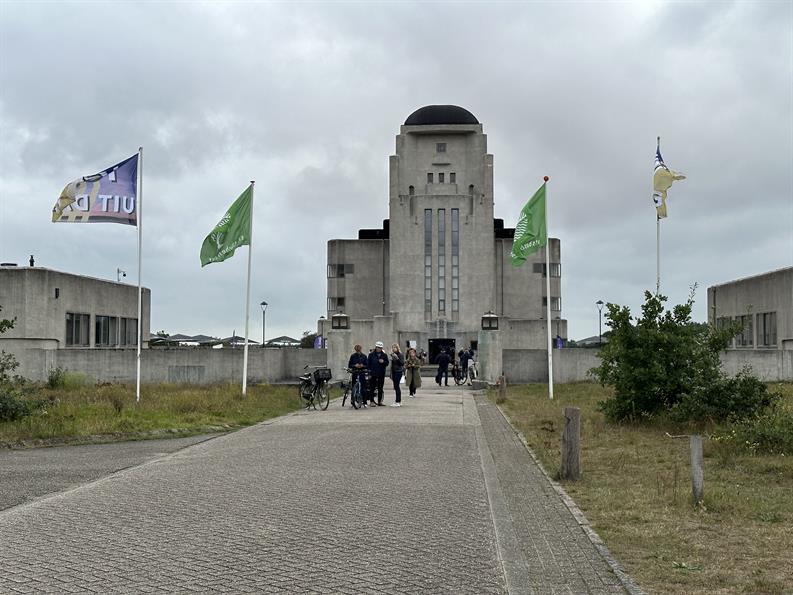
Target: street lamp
[
  {"x": 264, "y": 310},
  {"x": 599, "y": 304}
]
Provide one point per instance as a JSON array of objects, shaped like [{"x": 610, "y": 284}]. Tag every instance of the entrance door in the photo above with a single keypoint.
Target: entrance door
[{"x": 437, "y": 345}]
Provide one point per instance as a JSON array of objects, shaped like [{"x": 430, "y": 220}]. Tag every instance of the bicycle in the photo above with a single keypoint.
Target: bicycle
[
  {"x": 457, "y": 374},
  {"x": 355, "y": 390},
  {"x": 473, "y": 371},
  {"x": 313, "y": 388}
]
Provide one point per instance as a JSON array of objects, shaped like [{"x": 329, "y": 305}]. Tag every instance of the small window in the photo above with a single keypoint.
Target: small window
[
  {"x": 556, "y": 303},
  {"x": 471, "y": 190},
  {"x": 429, "y": 178},
  {"x": 440, "y": 147},
  {"x": 452, "y": 178},
  {"x": 128, "y": 331},
  {"x": 411, "y": 190},
  {"x": 106, "y": 331},
  {"x": 440, "y": 178}
]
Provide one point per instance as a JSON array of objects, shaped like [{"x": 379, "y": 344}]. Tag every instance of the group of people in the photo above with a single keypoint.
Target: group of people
[
  {"x": 377, "y": 362},
  {"x": 446, "y": 358}
]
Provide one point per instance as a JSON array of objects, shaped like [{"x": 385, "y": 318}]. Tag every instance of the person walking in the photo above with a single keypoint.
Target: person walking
[
  {"x": 358, "y": 364},
  {"x": 397, "y": 369},
  {"x": 443, "y": 367},
  {"x": 413, "y": 371},
  {"x": 378, "y": 362}
]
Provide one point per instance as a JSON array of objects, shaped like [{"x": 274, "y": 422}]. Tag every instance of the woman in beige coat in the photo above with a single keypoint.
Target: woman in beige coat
[{"x": 412, "y": 371}]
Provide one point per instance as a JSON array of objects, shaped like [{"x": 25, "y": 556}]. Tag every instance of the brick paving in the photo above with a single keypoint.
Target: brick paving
[{"x": 435, "y": 497}]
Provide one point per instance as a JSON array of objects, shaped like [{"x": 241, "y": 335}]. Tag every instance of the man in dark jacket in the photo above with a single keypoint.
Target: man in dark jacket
[
  {"x": 443, "y": 361},
  {"x": 378, "y": 362},
  {"x": 358, "y": 364}
]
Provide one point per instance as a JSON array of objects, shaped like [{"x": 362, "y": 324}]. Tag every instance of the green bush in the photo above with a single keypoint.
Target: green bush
[
  {"x": 13, "y": 406},
  {"x": 55, "y": 377},
  {"x": 665, "y": 363},
  {"x": 770, "y": 432},
  {"x": 725, "y": 399}
]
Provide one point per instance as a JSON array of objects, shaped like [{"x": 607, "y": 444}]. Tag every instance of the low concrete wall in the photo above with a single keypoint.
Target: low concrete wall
[
  {"x": 179, "y": 365},
  {"x": 531, "y": 365},
  {"x": 572, "y": 365},
  {"x": 769, "y": 365}
]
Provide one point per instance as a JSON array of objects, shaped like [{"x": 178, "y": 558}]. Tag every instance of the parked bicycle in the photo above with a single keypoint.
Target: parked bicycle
[
  {"x": 473, "y": 371},
  {"x": 355, "y": 390},
  {"x": 313, "y": 388},
  {"x": 457, "y": 374}
]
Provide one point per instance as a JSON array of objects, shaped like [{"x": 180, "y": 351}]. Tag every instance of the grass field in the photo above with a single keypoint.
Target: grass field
[
  {"x": 81, "y": 412},
  {"x": 636, "y": 493}
]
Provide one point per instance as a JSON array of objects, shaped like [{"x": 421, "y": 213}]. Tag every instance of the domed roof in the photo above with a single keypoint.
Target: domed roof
[{"x": 434, "y": 115}]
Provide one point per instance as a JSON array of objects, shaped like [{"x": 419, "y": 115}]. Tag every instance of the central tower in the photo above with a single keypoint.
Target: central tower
[{"x": 441, "y": 221}]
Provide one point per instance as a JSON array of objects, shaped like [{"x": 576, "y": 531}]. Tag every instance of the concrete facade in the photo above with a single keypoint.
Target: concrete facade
[
  {"x": 763, "y": 303},
  {"x": 441, "y": 260},
  {"x": 56, "y": 310}
]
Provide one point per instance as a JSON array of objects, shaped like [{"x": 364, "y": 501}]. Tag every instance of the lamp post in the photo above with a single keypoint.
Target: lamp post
[
  {"x": 264, "y": 310},
  {"x": 599, "y": 304}
]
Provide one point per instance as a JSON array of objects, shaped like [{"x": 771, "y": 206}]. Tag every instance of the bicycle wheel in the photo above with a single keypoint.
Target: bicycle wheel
[
  {"x": 304, "y": 390},
  {"x": 322, "y": 396},
  {"x": 357, "y": 397},
  {"x": 345, "y": 394}
]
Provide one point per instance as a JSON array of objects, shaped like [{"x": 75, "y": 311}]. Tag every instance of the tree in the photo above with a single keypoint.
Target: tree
[
  {"x": 667, "y": 363},
  {"x": 307, "y": 341}
]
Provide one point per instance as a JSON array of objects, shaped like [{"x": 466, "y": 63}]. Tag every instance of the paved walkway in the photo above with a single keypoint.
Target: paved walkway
[{"x": 438, "y": 496}]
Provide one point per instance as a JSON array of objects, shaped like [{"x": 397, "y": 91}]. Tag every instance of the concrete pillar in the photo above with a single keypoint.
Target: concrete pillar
[{"x": 489, "y": 354}]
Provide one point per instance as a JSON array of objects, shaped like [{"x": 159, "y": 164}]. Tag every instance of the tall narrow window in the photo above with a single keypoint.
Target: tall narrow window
[
  {"x": 77, "y": 329},
  {"x": 106, "y": 331},
  {"x": 452, "y": 178},
  {"x": 455, "y": 259},
  {"x": 440, "y": 147},
  {"x": 411, "y": 190},
  {"x": 429, "y": 178},
  {"x": 440, "y": 178},
  {"x": 441, "y": 261},
  {"x": 766, "y": 329},
  {"x": 128, "y": 331},
  {"x": 428, "y": 262}
]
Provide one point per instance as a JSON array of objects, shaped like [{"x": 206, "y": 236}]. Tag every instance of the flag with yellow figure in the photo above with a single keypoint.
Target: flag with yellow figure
[{"x": 663, "y": 177}]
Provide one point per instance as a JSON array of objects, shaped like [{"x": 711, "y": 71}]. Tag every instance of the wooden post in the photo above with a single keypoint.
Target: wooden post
[
  {"x": 502, "y": 387},
  {"x": 695, "y": 443},
  {"x": 571, "y": 443}
]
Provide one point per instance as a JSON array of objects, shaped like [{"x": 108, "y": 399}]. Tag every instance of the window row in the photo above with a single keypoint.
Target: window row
[
  {"x": 441, "y": 178},
  {"x": 556, "y": 269},
  {"x": 556, "y": 303},
  {"x": 340, "y": 270},
  {"x": 109, "y": 331},
  {"x": 335, "y": 304},
  {"x": 766, "y": 329}
]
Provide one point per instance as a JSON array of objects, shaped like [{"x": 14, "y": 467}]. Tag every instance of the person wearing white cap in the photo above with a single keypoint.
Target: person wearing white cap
[{"x": 378, "y": 362}]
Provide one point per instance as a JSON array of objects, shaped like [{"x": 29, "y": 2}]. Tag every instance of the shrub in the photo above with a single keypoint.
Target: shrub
[
  {"x": 770, "y": 432},
  {"x": 667, "y": 363},
  {"x": 55, "y": 377},
  {"x": 725, "y": 399},
  {"x": 12, "y": 405}
]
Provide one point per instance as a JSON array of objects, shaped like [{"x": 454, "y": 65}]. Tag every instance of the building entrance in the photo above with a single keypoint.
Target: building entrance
[{"x": 438, "y": 345}]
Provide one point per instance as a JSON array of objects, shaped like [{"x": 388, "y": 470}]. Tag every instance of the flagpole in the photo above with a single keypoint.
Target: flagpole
[
  {"x": 548, "y": 293},
  {"x": 657, "y": 255},
  {"x": 247, "y": 303},
  {"x": 657, "y": 236},
  {"x": 139, "y": 208}
]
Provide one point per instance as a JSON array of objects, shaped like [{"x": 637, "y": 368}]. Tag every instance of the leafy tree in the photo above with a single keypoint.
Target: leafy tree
[
  {"x": 307, "y": 340},
  {"x": 667, "y": 363}
]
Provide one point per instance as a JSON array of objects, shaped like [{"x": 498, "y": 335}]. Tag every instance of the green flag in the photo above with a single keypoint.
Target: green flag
[
  {"x": 233, "y": 231},
  {"x": 530, "y": 232}
]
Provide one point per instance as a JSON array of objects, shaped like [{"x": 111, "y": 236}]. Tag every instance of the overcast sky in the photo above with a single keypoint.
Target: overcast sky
[{"x": 306, "y": 98}]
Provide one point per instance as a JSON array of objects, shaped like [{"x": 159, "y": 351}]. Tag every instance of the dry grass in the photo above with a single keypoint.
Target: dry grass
[
  {"x": 81, "y": 411},
  {"x": 636, "y": 492}
]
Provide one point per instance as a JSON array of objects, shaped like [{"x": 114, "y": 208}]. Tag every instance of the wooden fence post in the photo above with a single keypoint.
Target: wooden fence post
[
  {"x": 697, "y": 481},
  {"x": 502, "y": 387},
  {"x": 571, "y": 443}
]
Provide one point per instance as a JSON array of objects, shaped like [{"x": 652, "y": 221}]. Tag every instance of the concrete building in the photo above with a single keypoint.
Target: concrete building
[
  {"x": 763, "y": 304},
  {"x": 56, "y": 310},
  {"x": 441, "y": 260}
]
